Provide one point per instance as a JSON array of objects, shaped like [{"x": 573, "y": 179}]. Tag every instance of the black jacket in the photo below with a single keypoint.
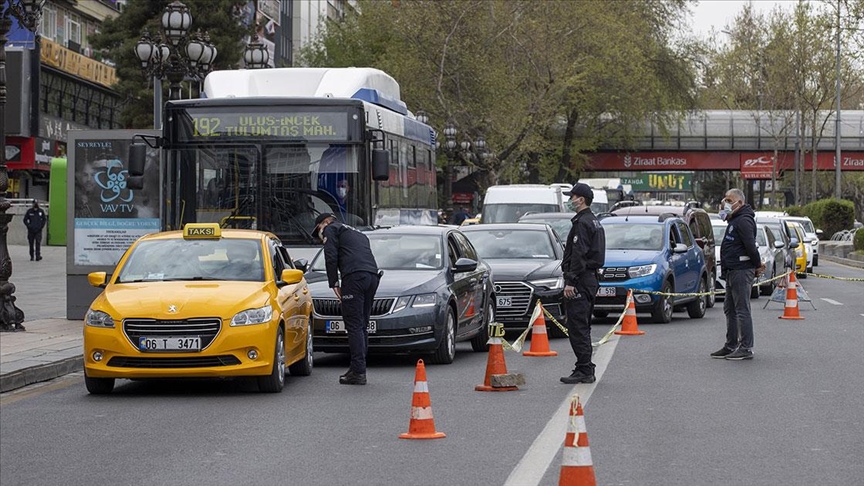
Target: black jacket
[
  {"x": 738, "y": 250},
  {"x": 35, "y": 219},
  {"x": 346, "y": 250},
  {"x": 585, "y": 249}
]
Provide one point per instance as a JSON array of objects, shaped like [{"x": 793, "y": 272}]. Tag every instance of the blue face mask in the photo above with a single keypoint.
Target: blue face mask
[{"x": 724, "y": 213}]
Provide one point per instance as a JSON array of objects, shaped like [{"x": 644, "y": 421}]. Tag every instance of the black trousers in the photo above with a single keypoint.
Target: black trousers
[
  {"x": 34, "y": 238},
  {"x": 579, "y": 310},
  {"x": 358, "y": 293}
]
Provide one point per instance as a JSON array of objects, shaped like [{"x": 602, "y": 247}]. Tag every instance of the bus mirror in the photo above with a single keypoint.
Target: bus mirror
[
  {"x": 380, "y": 165},
  {"x": 135, "y": 182},
  {"x": 137, "y": 157}
]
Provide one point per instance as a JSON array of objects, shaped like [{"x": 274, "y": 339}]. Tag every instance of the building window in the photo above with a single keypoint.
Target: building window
[
  {"x": 48, "y": 25},
  {"x": 73, "y": 32}
]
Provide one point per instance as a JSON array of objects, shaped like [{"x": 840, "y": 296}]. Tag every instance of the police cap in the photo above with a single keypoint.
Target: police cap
[
  {"x": 320, "y": 219},
  {"x": 581, "y": 189}
]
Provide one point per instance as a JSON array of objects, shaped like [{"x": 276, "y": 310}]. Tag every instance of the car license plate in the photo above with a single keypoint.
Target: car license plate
[
  {"x": 337, "y": 327},
  {"x": 606, "y": 292},
  {"x": 170, "y": 343},
  {"x": 505, "y": 302}
]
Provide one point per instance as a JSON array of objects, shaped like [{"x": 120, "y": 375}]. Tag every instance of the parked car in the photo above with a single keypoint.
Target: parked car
[
  {"x": 699, "y": 223},
  {"x": 164, "y": 312},
  {"x": 655, "y": 253},
  {"x": 812, "y": 234},
  {"x": 435, "y": 291},
  {"x": 507, "y": 203},
  {"x": 526, "y": 268},
  {"x": 802, "y": 260},
  {"x": 560, "y": 222},
  {"x": 781, "y": 233},
  {"x": 773, "y": 255}
]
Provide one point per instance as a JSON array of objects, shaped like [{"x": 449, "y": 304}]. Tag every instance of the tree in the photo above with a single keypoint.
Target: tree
[{"x": 117, "y": 38}]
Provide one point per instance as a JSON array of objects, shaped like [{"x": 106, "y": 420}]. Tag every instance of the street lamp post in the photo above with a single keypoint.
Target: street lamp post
[
  {"x": 450, "y": 148},
  {"x": 256, "y": 56},
  {"x": 28, "y": 13},
  {"x": 183, "y": 55}
]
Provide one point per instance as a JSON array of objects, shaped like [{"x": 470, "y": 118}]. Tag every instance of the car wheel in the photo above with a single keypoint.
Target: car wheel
[
  {"x": 768, "y": 289},
  {"x": 275, "y": 381},
  {"x": 304, "y": 366},
  {"x": 712, "y": 299},
  {"x": 99, "y": 386},
  {"x": 479, "y": 343},
  {"x": 447, "y": 348},
  {"x": 754, "y": 292},
  {"x": 809, "y": 269},
  {"x": 815, "y": 260},
  {"x": 801, "y": 275},
  {"x": 696, "y": 309},
  {"x": 662, "y": 312}
]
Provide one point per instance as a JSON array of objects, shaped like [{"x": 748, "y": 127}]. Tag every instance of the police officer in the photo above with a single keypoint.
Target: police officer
[
  {"x": 35, "y": 219},
  {"x": 347, "y": 253},
  {"x": 584, "y": 254}
]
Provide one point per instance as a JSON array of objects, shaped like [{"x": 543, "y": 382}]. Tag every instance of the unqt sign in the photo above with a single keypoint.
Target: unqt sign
[{"x": 668, "y": 182}]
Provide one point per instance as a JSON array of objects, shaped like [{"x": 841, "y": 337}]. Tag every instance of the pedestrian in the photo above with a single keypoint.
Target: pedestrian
[
  {"x": 584, "y": 255},
  {"x": 461, "y": 216},
  {"x": 347, "y": 254},
  {"x": 35, "y": 219},
  {"x": 740, "y": 264}
]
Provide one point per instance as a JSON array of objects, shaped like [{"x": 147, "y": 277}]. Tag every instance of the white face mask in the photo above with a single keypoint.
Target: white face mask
[
  {"x": 342, "y": 192},
  {"x": 728, "y": 207}
]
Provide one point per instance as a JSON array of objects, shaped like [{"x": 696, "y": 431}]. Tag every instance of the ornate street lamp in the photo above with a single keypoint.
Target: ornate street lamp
[
  {"x": 422, "y": 117},
  {"x": 256, "y": 56},
  {"x": 28, "y": 13},
  {"x": 450, "y": 148},
  {"x": 184, "y": 55}
]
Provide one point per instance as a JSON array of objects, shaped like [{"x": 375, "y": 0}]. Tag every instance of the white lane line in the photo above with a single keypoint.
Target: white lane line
[
  {"x": 530, "y": 469},
  {"x": 831, "y": 301}
]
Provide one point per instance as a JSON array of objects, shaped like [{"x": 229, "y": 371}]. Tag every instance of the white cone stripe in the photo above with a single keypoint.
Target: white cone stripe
[
  {"x": 577, "y": 456},
  {"x": 421, "y": 413},
  {"x": 577, "y": 424},
  {"x": 494, "y": 340},
  {"x": 791, "y": 303},
  {"x": 631, "y": 311},
  {"x": 421, "y": 386},
  {"x": 541, "y": 329}
]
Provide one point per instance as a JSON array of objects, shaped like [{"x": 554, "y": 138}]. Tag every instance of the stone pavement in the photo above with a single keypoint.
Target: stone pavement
[{"x": 52, "y": 345}]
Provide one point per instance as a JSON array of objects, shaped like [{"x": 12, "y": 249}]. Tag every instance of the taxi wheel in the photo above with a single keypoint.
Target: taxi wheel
[
  {"x": 304, "y": 366},
  {"x": 447, "y": 348},
  {"x": 479, "y": 343},
  {"x": 275, "y": 381},
  {"x": 99, "y": 386}
]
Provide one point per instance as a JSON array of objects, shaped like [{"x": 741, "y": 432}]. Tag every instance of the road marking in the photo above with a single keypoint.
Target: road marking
[
  {"x": 831, "y": 301},
  {"x": 37, "y": 389},
  {"x": 537, "y": 459}
]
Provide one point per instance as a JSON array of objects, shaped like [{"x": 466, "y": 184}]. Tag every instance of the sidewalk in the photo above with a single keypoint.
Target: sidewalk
[{"x": 51, "y": 346}]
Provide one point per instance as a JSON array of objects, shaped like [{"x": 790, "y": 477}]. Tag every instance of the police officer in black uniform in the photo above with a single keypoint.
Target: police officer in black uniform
[
  {"x": 584, "y": 254},
  {"x": 35, "y": 220},
  {"x": 347, "y": 253}
]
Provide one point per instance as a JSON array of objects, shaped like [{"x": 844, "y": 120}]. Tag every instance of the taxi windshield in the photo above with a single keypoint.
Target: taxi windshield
[{"x": 198, "y": 259}]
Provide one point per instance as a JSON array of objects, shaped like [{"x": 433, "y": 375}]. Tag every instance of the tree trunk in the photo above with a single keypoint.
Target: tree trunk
[{"x": 565, "y": 172}]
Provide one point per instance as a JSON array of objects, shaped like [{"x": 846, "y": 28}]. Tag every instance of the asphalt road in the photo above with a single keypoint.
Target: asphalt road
[{"x": 662, "y": 413}]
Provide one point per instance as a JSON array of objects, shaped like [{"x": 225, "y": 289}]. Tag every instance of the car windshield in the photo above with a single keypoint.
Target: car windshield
[
  {"x": 807, "y": 225},
  {"x": 511, "y": 244},
  {"x": 180, "y": 259},
  {"x": 510, "y": 213},
  {"x": 719, "y": 232},
  {"x": 633, "y": 236},
  {"x": 393, "y": 251},
  {"x": 560, "y": 225}
]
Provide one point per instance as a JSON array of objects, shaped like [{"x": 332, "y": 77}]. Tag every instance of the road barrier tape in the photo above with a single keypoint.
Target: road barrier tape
[
  {"x": 605, "y": 337},
  {"x": 702, "y": 294},
  {"x": 831, "y": 277}
]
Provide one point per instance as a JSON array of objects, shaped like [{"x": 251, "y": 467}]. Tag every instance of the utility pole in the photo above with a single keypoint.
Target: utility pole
[{"x": 838, "y": 161}]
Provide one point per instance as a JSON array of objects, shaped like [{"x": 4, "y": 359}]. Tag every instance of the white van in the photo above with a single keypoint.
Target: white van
[
  {"x": 506, "y": 204},
  {"x": 600, "y": 204}
]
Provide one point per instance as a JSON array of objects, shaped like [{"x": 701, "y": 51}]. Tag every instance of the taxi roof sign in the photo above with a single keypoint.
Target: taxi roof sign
[{"x": 202, "y": 230}]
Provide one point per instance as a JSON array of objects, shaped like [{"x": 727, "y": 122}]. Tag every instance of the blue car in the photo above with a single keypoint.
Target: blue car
[{"x": 656, "y": 253}]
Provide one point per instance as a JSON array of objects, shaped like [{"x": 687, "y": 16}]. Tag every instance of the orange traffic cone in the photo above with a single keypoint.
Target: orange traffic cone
[
  {"x": 791, "y": 309},
  {"x": 495, "y": 364},
  {"x": 539, "y": 338},
  {"x": 577, "y": 469},
  {"x": 422, "y": 425},
  {"x": 629, "y": 326}
]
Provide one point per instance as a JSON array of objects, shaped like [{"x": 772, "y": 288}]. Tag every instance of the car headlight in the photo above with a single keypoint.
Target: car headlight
[
  {"x": 425, "y": 300},
  {"x": 98, "y": 319},
  {"x": 549, "y": 283},
  {"x": 253, "y": 316},
  {"x": 401, "y": 303},
  {"x": 642, "y": 270},
  {"x": 799, "y": 252}
]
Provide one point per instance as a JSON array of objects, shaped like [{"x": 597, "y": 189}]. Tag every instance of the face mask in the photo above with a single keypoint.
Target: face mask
[
  {"x": 570, "y": 205},
  {"x": 724, "y": 213},
  {"x": 341, "y": 192},
  {"x": 728, "y": 207}
]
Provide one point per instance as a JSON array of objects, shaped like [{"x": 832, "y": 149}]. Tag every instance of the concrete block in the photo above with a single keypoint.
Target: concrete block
[{"x": 510, "y": 379}]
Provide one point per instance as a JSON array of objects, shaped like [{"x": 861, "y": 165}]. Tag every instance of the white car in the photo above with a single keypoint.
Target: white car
[{"x": 812, "y": 234}]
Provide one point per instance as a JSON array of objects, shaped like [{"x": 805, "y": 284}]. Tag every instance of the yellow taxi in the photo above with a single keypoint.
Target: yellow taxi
[
  {"x": 470, "y": 221},
  {"x": 800, "y": 250},
  {"x": 199, "y": 303}
]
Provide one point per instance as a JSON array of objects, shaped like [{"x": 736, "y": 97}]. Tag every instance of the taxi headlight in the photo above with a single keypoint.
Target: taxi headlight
[
  {"x": 642, "y": 270},
  {"x": 425, "y": 300},
  {"x": 253, "y": 316},
  {"x": 98, "y": 319},
  {"x": 799, "y": 252},
  {"x": 549, "y": 283},
  {"x": 401, "y": 303}
]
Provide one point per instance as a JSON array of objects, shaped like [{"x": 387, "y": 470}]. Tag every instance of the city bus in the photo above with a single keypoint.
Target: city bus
[{"x": 272, "y": 149}]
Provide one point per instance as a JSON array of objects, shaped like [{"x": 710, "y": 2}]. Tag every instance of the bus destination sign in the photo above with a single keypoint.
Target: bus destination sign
[{"x": 196, "y": 124}]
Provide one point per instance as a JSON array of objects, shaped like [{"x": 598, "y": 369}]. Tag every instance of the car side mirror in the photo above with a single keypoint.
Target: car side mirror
[
  {"x": 290, "y": 276},
  {"x": 779, "y": 244},
  {"x": 793, "y": 243},
  {"x": 301, "y": 264},
  {"x": 679, "y": 248},
  {"x": 380, "y": 165},
  {"x": 464, "y": 265},
  {"x": 97, "y": 279},
  {"x": 137, "y": 158}
]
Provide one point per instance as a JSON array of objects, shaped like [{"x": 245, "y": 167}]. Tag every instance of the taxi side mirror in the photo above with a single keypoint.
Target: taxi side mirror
[
  {"x": 97, "y": 279},
  {"x": 291, "y": 276}
]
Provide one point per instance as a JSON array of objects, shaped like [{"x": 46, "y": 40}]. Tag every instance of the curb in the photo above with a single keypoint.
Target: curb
[
  {"x": 843, "y": 261},
  {"x": 36, "y": 374}
]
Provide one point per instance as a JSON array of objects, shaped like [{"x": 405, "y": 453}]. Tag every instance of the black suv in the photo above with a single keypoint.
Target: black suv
[{"x": 700, "y": 225}]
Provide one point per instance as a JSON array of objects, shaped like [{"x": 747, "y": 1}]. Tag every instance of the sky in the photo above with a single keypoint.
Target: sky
[{"x": 719, "y": 13}]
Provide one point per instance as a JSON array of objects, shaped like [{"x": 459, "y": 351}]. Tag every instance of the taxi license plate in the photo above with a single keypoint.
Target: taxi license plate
[
  {"x": 170, "y": 343},
  {"x": 606, "y": 292},
  {"x": 505, "y": 302},
  {"x": 337, "y": 327}
]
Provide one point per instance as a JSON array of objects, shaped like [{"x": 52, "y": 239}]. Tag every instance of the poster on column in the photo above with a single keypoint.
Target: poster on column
[{"x": 108, "y": 215}]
